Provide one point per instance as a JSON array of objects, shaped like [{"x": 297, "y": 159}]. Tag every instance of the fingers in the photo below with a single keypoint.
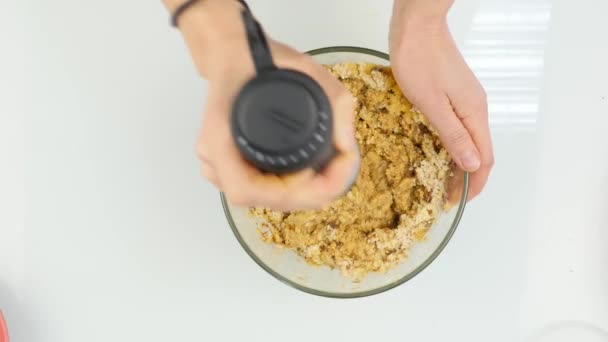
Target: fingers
[
  {"x": 209, "y": 174},
  {"x": 326, "y": 187},
  {"x": 446, "y": 90},
  {"x": 477, "y": 182},
  {"x": 243, "y": 184},
  {"x": 455, "y": 187},
  {"x": 452, "y": 132},
  {"x": 344, "y": 126},
  {"x": 478, "y": 126},
  {"x": 343, "y": 108},
  {"x": 467, "y": 139},
  {"x": 339, "y": 175},
  {"x": 302, "y": 190},
  {"x": 470, "y": 103},
  {"x": 246, "y": 186}
]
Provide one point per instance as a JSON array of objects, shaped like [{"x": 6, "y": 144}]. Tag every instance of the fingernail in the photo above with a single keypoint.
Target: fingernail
[{"x": 470, "y": 161}]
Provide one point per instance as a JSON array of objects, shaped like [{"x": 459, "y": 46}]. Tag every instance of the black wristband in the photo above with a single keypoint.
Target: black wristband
[{"x": 186, "y": 5}]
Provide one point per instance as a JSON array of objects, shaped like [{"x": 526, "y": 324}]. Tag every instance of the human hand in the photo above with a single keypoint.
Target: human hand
[
  {"x": 215, "y": 35},
  {"x": 434, "y": 76}
]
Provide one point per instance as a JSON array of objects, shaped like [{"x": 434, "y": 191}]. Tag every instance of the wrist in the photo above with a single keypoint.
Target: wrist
[
  {"x": 419, "y": 18},
  {"x": 422, "y": 11},
  {"x": 211, "y": 19},
  {"x": 211, "y": 29}
]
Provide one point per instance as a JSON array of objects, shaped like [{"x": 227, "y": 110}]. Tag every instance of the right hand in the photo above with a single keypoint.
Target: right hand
[
  {"x": 215, "y": 35},
  {"x": 435, "y": 77}
]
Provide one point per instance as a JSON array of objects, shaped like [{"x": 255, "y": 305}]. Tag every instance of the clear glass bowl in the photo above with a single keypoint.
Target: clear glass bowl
[{"x": 286, "y": 266}]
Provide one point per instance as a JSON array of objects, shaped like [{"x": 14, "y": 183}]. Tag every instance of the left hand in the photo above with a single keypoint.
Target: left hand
[
  {"x": 216, "y": 38},
  {"x": 434, "y": 76}
]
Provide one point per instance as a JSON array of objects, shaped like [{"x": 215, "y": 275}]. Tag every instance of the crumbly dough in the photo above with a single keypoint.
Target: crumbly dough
[{"x": 399, "y": 193}]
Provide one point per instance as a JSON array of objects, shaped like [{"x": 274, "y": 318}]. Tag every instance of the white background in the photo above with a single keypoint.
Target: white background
[{"x": 107, "y": 232}]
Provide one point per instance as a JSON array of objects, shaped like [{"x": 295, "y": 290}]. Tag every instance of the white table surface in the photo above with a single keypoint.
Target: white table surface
[{"x": 107, "y": 233}]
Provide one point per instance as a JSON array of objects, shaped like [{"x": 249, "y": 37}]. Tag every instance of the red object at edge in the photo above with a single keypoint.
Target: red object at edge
[{"x": 3, "y": 329}]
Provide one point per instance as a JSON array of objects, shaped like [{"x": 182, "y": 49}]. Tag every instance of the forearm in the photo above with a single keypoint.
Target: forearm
[
  {"x": 172, "y": 5},
  {"x": 422, "y": 10},
  {"x": 207, "y": 27},
  {"x": 422, "y": 17},
  {"x": 208, "y": 18}
]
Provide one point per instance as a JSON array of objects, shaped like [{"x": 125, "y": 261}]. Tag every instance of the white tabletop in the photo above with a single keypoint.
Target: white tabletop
[{"x": 107, "y": 232}]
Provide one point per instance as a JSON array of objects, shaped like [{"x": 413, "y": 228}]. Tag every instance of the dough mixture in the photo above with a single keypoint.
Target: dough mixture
[{"x": 399, "y": 193}]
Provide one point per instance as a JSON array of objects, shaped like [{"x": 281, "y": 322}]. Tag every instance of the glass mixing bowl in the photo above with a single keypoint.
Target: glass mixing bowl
[{"x": 286, "y": 266}]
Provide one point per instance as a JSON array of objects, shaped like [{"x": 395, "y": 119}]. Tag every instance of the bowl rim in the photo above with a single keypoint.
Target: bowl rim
[{"x": 461, "y": 206}]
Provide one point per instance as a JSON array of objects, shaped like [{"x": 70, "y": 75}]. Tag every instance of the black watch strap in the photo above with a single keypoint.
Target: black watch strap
[{"x": 186, "y": 5}]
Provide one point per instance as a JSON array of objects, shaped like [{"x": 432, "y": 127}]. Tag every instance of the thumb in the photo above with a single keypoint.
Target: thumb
[
  {"x": 343, "y": 107},
  {"x": 453, "y": 134}
]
